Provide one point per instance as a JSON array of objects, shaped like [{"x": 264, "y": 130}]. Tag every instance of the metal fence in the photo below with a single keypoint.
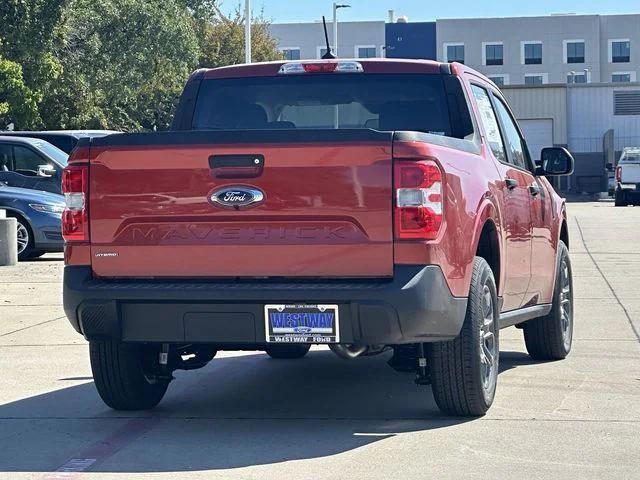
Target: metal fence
[{"x": 596, "y": 144}]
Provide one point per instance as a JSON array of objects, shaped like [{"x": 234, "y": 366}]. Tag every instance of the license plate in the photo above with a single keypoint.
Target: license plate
[{"x": 302, "y": 323}]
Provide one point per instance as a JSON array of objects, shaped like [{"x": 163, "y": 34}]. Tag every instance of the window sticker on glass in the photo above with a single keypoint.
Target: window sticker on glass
[{"x": 490, "y": 123}]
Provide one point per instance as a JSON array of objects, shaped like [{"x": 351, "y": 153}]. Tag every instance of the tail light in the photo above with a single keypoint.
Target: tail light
[
  {"x": 75, "y": 218},
  {"x": 418, "y": 195},
  {"x": 321, "y": 67},
  {"x": 618, "y": 174}
]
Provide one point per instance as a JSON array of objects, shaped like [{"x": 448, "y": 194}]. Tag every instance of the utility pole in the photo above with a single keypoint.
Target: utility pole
[
  {"x": 336, "y": 6},
  {"x": 247, "y": 31}
]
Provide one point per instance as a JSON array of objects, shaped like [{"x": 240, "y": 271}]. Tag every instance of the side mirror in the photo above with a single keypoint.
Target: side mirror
[
  {"x": 46, "y": 171},
  {"x": 556, "y": 162}
]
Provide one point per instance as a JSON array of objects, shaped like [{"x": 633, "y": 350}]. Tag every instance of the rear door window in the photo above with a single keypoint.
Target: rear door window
[
  {"x": 490, "y": 123},
  {"x": 515, "y": 143},
  {"x": 389, "y": 102}
]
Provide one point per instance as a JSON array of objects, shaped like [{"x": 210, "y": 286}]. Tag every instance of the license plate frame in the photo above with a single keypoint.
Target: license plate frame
[{"x": 312, "y": 328}]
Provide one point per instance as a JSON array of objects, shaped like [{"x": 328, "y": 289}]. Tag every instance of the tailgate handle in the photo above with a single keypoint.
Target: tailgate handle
[{"x": 236, "y": 166}]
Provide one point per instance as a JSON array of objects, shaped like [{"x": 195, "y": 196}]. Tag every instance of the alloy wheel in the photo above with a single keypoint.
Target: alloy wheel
[
  {"x": 23, "y": 238},
  {"x": 488, "y": 344},
  {"x": 566, "y": 305}
]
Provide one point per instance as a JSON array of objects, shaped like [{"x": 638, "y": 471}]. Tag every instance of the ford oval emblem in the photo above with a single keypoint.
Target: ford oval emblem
[
  {"x": 236, "y": 197},
  {"x": 302, "y": 329}
]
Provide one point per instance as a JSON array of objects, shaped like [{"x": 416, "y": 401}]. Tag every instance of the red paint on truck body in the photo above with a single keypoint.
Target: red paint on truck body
[{"x": 151, "y": 214}]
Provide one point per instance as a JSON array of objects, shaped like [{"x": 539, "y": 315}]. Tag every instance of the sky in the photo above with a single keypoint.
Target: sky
[{"x": 283, "y": 11}]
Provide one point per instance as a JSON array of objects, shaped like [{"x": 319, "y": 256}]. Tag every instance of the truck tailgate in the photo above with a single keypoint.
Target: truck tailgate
[
  {"x": 327, "y": 208},
  {"x": 630, "y": 172}
]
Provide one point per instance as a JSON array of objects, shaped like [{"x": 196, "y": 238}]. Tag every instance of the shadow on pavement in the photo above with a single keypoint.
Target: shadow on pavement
[
  {"x": 238, "y": 411},
  {"x": 47, "y": 258},
  {"x": 509, "y": 360}
]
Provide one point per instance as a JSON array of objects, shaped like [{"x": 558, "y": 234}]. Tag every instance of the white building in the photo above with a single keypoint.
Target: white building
[
  {"x": 306, "y": 40},
  {"x": 549, "y": 49}
]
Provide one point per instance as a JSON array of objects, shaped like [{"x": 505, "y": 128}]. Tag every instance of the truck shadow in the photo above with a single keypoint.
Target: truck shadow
[{"x": 239, "y": 411}]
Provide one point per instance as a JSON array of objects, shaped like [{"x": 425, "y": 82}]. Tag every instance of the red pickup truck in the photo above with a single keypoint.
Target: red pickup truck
[{"x": 368, "y": 205}]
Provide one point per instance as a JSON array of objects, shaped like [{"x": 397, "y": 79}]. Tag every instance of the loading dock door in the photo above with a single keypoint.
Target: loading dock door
[{"x": 538, "y": 134}]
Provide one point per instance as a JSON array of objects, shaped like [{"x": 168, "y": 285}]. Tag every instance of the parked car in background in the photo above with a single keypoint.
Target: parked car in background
[
  {"x": 65, "y": 140},
  {"x": 628, "y": 178},
  {"x": 31, "y": 163},
  {"x": 39, "y": 216}
]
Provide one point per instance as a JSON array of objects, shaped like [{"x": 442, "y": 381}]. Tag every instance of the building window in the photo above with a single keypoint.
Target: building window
[
  {"x": 626, "y": 102},
  {"x": 366, "y": 51},
  {"x": 535, "y": 79},
  {"x": 499, "y": 80},
  {"x": 291, "y": 53},
  {"x": 532, "y": 53},
  {"x": 623, "y": 77},
  {"x": 454, "y": 52},
  {"x": 580, "y": 77},
  {"x": 619, "y": 51},
  {"x": 322, "y": 50},
  {"x": 574, "y": 51},
  {"x": 493, "y": 54}
]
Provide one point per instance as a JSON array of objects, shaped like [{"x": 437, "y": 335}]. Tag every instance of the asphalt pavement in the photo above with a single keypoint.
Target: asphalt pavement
[{"x": 246, "y": 416}]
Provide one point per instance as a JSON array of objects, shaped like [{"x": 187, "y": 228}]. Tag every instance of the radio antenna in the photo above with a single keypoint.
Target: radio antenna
[{"x": 328, "y": 55}]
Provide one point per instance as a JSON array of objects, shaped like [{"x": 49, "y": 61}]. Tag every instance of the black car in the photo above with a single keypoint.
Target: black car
[{"x": 65, "y": 140}]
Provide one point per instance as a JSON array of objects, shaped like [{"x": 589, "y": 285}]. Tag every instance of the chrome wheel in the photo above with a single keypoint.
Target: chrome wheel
[
  {"x": 488, "y": 344},
  {"x": 566, "y": 305},
  {"x": 23, "y": 238}
]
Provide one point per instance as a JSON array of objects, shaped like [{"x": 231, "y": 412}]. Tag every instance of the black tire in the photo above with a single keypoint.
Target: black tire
[
  {"x": 121, "y": 374},
  {"x": 621, "y": 199},
  {"x": 550, "y": 337},
  {"x": 36, "y": 254},
  {"x": 463, "y": 377},
  {"x": 290, "y": 351}
]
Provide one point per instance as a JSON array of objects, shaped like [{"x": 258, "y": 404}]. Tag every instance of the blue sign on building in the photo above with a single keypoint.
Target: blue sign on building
[{"x": 411, "y": 40}]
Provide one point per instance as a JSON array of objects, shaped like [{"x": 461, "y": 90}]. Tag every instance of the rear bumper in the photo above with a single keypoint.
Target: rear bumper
[
  {"x": 416, "y": 306},
  {"x": 629, "y": 187}
]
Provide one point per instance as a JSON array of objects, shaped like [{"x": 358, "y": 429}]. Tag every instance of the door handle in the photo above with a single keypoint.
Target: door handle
[
  {"x": 236, "y": 166},
  {"x": 510, "y": 183},
  {"x": 534, "y": 190}
]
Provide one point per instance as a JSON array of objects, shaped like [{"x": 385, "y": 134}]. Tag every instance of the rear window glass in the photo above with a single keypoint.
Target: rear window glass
[
  {"x": 325, "y": 101},
  {"x": 631, "y": 158}
]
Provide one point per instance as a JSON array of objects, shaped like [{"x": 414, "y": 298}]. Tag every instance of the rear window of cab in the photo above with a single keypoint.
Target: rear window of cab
[{"x": 429, "y": 103}]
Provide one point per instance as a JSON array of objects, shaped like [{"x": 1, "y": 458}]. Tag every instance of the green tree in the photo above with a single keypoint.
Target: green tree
[
  {"x": 28, "y": 33},
  {"x": 18, "y": 104},
  {"x": 117, "y": 64},
  {"x": 124, "y": 64},
  {"x": 222, "y": 42}
]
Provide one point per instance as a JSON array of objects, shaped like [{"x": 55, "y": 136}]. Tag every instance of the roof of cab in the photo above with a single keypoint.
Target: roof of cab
[{"x": 371, "y": 65}]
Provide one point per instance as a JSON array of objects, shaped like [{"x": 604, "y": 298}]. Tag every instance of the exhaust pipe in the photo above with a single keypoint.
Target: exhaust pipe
[{"x": 348, "y": 352}]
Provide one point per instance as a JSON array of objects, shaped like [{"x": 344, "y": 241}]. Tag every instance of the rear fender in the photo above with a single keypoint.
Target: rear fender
[{"x": 487, "y": 212}]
